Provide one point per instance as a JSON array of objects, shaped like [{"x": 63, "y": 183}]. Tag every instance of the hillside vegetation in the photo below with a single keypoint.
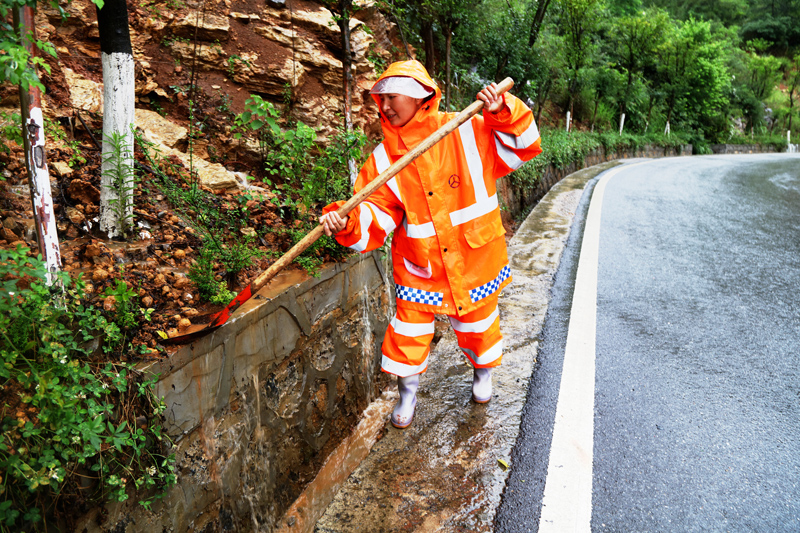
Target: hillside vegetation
[{"x": 715, "y": 70}]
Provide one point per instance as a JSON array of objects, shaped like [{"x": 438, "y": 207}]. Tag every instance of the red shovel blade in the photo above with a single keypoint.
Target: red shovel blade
[
  {"x": 223, "y": 316},
  {"x": 216, "y": 321}
]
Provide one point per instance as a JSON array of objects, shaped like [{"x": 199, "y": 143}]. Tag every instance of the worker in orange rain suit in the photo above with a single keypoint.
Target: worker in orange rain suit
[{"x": 448, "y": 251}]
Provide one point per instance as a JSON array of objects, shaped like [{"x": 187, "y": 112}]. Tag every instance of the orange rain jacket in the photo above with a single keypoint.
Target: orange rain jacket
[{"x": 448, "y": 250}]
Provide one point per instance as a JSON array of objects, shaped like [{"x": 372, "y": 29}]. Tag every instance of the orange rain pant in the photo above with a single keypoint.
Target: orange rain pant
[{"x": 406, "y": 346}]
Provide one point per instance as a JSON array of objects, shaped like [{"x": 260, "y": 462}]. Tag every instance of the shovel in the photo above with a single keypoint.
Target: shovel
[{"x": 258, "y": 283}]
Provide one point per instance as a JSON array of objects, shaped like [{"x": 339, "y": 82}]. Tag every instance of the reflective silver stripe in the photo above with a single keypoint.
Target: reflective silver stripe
[
  {"x": 401, "y": 369},
  {"x": 382, "y": 161},
  {"x": 410, "y": 329},
  {"x": 474, "y": 211},
  {"x": 419, "y": 231},
  {"x": 521, "y": 141},
  {"x": 474, "y": 162},
  {"x": 484, "y": 203},
  {"x": 365, "y": 219},
  {"x": 385, "y": 221},
  {"x": 489, "y": 356},
  {"x": 392, "y": 184},
  {"x": 475, "y": 327},
  {"x": 508, "y": 155},
  {"x": 368, "y": 211}
]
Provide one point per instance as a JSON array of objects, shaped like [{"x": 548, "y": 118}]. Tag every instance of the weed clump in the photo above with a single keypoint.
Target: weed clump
[{"x": 75, "y": 428}]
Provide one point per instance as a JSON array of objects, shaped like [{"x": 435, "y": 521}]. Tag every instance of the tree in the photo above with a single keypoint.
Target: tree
[
  {"x": 579, "y": 21},
  {"x": 17, "y": 64},
  {"x": 116, "y": 193},
  {"x": 605, "y": 82},
  {"x": 776, "y": 22},
  {"x": 32, "y": 130},
  {"x": 422, "y": 14},
  {"x": 792, "y": 80},
  {"x": 444, "y": 16},
  {"x": 450, "y": 14},
  {"x": 764, "y": 69},
  {"x": 341, "y": 14},
  {"x": 536, "y": 20},
  {"x": 705, "y": 81},
  {"x": 633, "y": 42},
  {"x": 727, "y": 12}
]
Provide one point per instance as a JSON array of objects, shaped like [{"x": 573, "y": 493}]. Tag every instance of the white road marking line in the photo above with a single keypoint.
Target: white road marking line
[{"x": 567, "y": 501}]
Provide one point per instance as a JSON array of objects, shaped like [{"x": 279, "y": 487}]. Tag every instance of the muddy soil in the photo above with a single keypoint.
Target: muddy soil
[{"x": 154, "y": 260}]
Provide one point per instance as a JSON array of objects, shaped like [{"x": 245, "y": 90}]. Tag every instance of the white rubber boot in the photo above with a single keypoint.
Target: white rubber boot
[
  {"x": 403, "y": 413},
  {"x": 482, "y": 385}
]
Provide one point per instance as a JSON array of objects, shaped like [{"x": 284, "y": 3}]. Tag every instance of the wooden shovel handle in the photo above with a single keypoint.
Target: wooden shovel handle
[{"x": 472, "y": 110}]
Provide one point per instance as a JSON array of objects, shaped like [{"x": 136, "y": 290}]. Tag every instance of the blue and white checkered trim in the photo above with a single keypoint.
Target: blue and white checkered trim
[
  {"x": 490, "y": 288},
  {"x": 416, "y": 295}
]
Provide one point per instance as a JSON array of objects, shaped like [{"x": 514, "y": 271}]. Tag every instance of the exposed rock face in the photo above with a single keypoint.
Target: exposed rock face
[
  {"x": 209, "y": 27},
  {"x": 284, "y": 53},
  {"x": 167, "y": 135},
  {"x": 86, "y": 95},
  {"x": 159, "y": 129}
]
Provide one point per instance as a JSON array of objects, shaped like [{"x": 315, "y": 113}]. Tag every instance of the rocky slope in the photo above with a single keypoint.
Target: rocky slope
[{"x": 286, "y": 52}]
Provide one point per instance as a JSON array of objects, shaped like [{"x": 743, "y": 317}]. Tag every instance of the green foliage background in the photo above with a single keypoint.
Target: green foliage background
[{"x": 715, "y": 69}]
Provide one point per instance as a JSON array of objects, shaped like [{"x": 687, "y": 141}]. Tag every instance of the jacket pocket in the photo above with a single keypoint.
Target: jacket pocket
[
  {"x": 415, "y": 250},
  {"x": 482, "y": 235}
]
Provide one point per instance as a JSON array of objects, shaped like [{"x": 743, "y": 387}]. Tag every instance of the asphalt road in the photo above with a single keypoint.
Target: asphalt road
[{"x": 692, "y": 351}]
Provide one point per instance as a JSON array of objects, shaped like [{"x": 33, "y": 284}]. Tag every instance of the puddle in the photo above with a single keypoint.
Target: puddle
[{"x": 784, "y": 181}]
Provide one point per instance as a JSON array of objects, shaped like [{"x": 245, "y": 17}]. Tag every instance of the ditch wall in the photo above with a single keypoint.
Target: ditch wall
[{"x": 256, "y": 406}]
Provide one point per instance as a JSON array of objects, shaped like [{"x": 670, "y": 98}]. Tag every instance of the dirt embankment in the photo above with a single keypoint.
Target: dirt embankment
[{"x": 287, "y": 53}]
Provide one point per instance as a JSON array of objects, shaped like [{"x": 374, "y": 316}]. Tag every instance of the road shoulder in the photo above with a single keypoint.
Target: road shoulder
[{"x": 443, "y": 473}]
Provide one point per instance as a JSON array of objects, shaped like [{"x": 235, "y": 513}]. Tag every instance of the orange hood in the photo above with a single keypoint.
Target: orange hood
[{"x": 426, "y": 117}]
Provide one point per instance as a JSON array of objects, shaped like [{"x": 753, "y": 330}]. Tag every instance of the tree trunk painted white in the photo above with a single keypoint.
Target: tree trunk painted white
[
  {"x": 116, "y": 200},
  {"x": 621, "y": 123},
  {"x": 118, "y": 117},
  {"x": 569, "y": 120},
  {"x": 41, "y": 196},
  {"x": 666, "y": 129},
  {"x": 35, "y": 159}
]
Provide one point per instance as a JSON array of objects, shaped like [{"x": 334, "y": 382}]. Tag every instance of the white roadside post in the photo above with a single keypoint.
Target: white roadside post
[{"x": 35, "y": 160}]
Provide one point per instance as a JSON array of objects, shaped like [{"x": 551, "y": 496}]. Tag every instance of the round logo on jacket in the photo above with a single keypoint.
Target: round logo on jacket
[{"x": 454, "y": 181}]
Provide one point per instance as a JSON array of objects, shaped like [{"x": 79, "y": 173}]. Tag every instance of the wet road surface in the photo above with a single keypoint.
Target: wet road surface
[{"x": 693, "y": 420}]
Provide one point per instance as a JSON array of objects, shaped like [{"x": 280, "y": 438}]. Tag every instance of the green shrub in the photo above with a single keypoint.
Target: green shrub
[
  {"x": 777, "y": 141},
  {"x": 218, "y": 225},
  {"x": 311, "y": 174},
  {"x": 69, "y": 422},
  {"x": 560, "y": 149},
  {"x": 10, "y": 130},
  {"x": 119, "y": 172},
  {"x": 203, "y": 275}
]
